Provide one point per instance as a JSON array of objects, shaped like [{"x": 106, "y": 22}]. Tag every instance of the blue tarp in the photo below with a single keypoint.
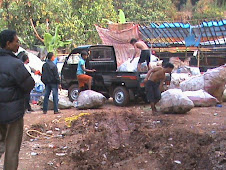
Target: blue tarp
[{"x": 207, "y": 33}]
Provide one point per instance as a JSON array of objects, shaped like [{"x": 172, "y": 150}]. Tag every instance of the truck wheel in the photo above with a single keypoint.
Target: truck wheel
[
  {"x": 121, "y": 96},
  {"x": 73, "y": 92}
]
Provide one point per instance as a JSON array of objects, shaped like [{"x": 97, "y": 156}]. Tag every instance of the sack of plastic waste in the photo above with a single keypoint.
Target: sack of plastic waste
[
  {"x": 213, "y": 82},
  {"x": 201, "y": 98},
  {"x": 174, "y": 101},
  {"x": 89, "y": 99}
]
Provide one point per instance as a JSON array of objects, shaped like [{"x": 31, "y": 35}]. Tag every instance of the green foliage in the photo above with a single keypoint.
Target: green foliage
[
  {"x": 209, "y": 9},
  {"x": 142, "y": 10},
  {"x": 76, "y": 19},
  {"x": 122, "y": 18},
  {"x": 52, "y": 43}
]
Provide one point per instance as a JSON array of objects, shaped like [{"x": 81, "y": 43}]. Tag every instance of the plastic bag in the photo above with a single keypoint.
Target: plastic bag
[
  {"x": 174, "y": 101},
  {"x": 177, "y": 78},
  {"x": 224, "y": 96},
  {"x": 90, "y": 99},
  {"x": 215, "y": 80},
  {"x": 201, "y": 98},
  {"x": 193, "y": 83}
]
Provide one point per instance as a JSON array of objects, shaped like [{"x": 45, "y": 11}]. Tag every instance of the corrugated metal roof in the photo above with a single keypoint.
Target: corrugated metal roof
[{"x": 205, "y": 34}]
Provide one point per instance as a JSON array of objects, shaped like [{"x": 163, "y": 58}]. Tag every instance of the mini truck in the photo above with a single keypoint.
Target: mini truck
[{"x": 121, "y": 86}]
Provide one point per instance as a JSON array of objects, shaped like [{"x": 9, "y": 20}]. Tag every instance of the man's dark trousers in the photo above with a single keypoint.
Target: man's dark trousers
[
  {"x": 10, "y": 141},
  {"x": 48, "y": 89}
]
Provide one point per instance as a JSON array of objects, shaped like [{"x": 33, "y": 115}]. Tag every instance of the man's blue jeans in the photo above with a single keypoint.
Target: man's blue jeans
[{"x": 48, "y": 89}]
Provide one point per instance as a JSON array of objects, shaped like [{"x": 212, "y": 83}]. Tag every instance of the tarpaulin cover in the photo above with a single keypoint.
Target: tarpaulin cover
[{"x": 120, "y": 40}]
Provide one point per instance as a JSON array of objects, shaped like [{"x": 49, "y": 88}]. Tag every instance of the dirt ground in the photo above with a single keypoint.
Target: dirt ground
[{"x": 125, "y": 138}]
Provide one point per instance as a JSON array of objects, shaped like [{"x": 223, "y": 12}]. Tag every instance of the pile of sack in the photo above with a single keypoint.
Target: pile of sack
[
  {"x": 213, "y": 81},
  {"x": 200, "y": 91},
  {"x": 176, "y": 101},
  {"x": 131, "y": 66}
]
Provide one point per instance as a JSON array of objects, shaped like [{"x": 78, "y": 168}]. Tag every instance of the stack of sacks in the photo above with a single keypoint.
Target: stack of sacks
[
  {"x": 129, "y": 66},
  {"x": 213, "y": 82}
]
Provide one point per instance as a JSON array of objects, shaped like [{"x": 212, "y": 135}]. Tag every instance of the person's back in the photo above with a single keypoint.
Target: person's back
[
  {"x": 141, "y": 45},
  {"x": 51, "y": 79},
  {"x": 157, "y": 75}
]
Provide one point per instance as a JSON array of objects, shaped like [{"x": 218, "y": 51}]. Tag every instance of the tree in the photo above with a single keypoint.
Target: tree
[
  {"x": 209, "y": 9},
  {"x": 142, "y": 10},
  {"x": 91, "y": 13}
]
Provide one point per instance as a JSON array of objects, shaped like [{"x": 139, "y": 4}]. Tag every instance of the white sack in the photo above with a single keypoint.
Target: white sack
[
  {"x": 177, "y": 78},
  {"x": 89, "y": 99},
  {"x": 224, "y": 96},
  {"x": 213, "y": 82},
  {"x": 193, "y": 83},
  {"x": 34, "y": 61},
  {"x": 63, "y": 103},
  {"x": 201, "y": 98},
  {"x": 174, "y": 101}
]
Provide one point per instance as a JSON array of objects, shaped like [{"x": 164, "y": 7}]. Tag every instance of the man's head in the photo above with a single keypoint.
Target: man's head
[
  {"x": 84, "y": 54},
  {"x": 133, "y": 41},
  {"x": 168, "y": 67},
  {"x": 24, "y": 57},
  {"x": 50, "y": 56},
  {"x": 9, "y": 40}
]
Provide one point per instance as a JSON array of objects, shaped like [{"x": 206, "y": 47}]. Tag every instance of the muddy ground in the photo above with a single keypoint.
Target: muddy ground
[{"x": 125, "y": 138}]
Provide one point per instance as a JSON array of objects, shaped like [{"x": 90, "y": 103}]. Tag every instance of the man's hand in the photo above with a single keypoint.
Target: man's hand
[
  {"x": 93, "y": 70},
  {"x": 145, "y": 80},
  {"x": 60, "y": 87}
]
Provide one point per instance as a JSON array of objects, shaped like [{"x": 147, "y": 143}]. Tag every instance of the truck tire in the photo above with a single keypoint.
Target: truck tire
[
  {"x": 121, "y": 96},
  {"x": 73, "y": 92}
]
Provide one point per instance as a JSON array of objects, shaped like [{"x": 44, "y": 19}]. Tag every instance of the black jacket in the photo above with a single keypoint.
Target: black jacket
[
  {"x": 49, "y": 73},
  {"x": 15, "y": 82}
]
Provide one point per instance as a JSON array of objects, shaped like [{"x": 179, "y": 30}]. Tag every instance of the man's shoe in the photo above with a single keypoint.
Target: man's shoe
[
  {"x": 57, "y": 112},
  {"x": 44, "y": 112}
]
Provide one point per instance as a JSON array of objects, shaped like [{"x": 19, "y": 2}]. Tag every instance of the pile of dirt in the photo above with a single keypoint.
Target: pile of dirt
[{"x": 127, "y": 140}]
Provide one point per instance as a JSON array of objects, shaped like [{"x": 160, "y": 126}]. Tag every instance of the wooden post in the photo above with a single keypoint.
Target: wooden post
[{"x": 198, "y": 58}]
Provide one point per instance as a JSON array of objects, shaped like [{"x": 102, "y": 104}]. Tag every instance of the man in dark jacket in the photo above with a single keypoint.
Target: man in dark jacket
[
  {"x": 51, "y": 79},
  {"x": 15, "y": 83}
]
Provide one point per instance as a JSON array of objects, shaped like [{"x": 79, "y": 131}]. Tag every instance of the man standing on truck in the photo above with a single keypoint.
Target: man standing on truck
[
  {"x": 81, "y": 72},
  {"x": 154, "y": 81},
  {"x": 145, "y": 52}
]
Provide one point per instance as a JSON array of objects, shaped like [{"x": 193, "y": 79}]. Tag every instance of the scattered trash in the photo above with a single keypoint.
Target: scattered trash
[
  {"x": 51, "y": 146},
  {"x": 69, "y": 120},
  {"x": 177, "y": 161},
  {"x": 50, "y": 163},
  {"x": 170, "y": 139},
  {"x": 213, "y": 131},
  {"x": 34, "y": 153},
  {"x": 61, "y": 154},
  {"x": 49, "y": 132},
  {"x": 219, "y": 105},
  {"x": 57, "y": 129},
  {"x": 150, "y": 152},
  {"x": 215, "y": 114}
]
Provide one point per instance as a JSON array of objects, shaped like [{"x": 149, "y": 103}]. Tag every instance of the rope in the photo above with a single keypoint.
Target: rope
[{"x": 36, "y": 131}]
